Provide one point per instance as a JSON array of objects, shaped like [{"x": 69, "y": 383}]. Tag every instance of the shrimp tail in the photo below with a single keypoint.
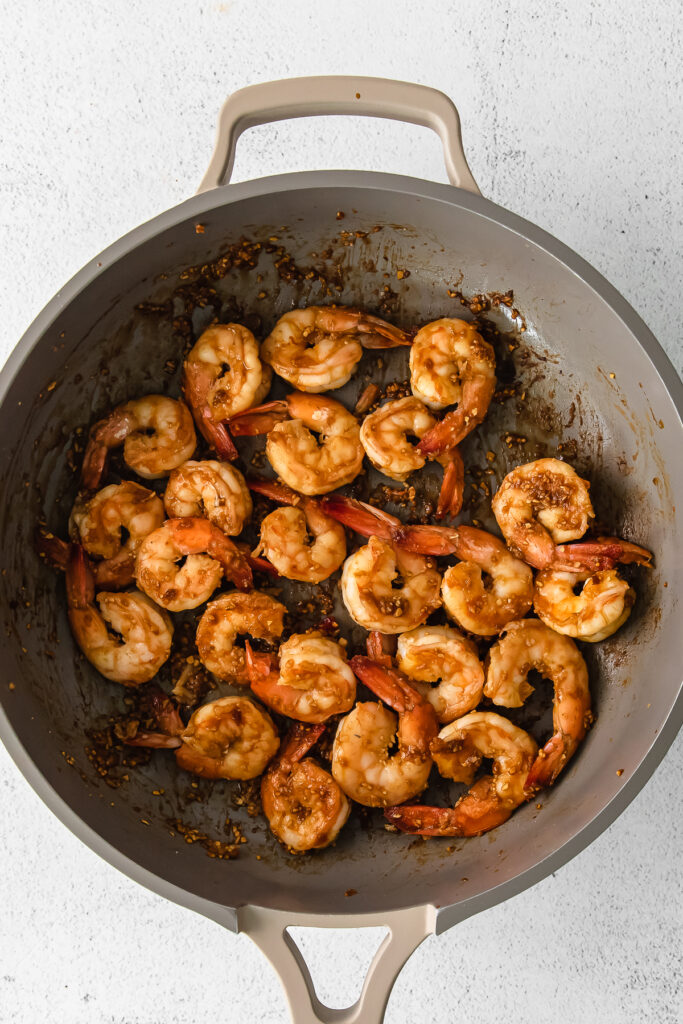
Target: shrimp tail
[
  {"x": 218, "y": 436},
  {"x": 157, "y": 740},
  {"x": 429, "y": 540},
  {"x": 52, "y": 549},
  {"x": 549, "y": 762},
  {"x": 452, "y": 487},
  {"x": 600, "y": 554},
  {"x": 234, "y": 562},
  {"x": 298, "y": 741},
  {"x": 444, "y": 435},
  {"x": 478, "y": 811},
  {"x": 115, "y": 573},
  {"x": 259, "y": 665},
  {"x": 80, "y": 582},
  {"x": 381, "y": 334},
  {"x": 275, "y": 491},
  {"x": 363, "y": 518},
  {"x": 258, "y": 420},
  {"x": 381, "y": 647},
  {"x": 387, "y": 683},
  {"x": 166, "y": 713},
  {"x": 94, "y": 464}
]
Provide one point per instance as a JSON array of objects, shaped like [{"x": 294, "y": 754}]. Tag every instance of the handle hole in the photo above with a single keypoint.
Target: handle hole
[{"x": 338, "y": 979}]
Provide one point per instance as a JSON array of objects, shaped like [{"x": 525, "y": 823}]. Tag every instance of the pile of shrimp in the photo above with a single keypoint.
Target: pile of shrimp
[{"x": 448, "y": 643}]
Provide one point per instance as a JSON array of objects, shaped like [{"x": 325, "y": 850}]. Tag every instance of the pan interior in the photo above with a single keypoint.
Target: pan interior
[{"x": 574, "y": 382}]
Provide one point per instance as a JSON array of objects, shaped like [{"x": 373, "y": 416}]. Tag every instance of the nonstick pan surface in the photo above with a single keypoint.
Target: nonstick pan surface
[{"x": 581, "y": 377}]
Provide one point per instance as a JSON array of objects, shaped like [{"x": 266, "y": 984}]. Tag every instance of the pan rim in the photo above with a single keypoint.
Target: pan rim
[{"x": 418, "y": 188}]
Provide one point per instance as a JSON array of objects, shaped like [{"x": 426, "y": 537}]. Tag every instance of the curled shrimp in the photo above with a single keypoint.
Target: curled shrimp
[
  {"x": 223, "y": 375},
  {"x": 317, "y": 349},
  {"x": 208, "y": 555},
  {"x": 300, "y": 540},
  {"x": 529, "y": 644},
  {"x": 313, "y": 680},
  {"x": 306, "y": 809},
  {"x": 98, "y": 523},
  {"x": 450, "y": 362},
  {"x": 385, "y": 435},
  {"x": 228, "y": 617},
  {"x": 542, "y": 505},
  {"x": 144, "y": 631},
  {"x": 213, "y": 490},
  {"x": 361, "y": 762},
  {"x": 458, "y": 752},
  {"x": 228, "y": 738},
  {"x": 442, "y": 655},
  {"x": 157, "y": 434},
  {"x": 374, "y": 601},
  {"x": 602, "y": 606},
  {"x": 489, "y": 587},
  {"x": 305, "y": 462}
]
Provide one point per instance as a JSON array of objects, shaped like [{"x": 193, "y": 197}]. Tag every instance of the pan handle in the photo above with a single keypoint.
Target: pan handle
[
  {"x": 268, "y": 929},
  {"x": 338, "y": 94}
]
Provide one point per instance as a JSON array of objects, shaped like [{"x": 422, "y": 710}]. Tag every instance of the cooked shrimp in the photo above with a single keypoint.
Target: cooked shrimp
[
  {"x": 385, "y": 435},
  {"x": 306, "y": 463},
  {"x": 232, "y": 615},
  {"x": 603, "y": 605},
  {"x": 458, "y": 752},
  {"x": 450, "y": 362},
  {"x": 528, "y": 644},
  {"x": 484, "y": 606},
  {"x": 209, "y": 553},
  {"x": 306, "y": 809},
  {"x": 369, "y": 594},
  {"x": 317, "y": 349},
  {"x": 301, "y": 541},
  {"x": 156, "y": 432},
  {"x": 98, "y": 522},
  {"x": 361, "y": 762},
  {"x": 213, "y": 490},
  {"x": 223, "y": 375},
  {"x": 144, "y": 631},
  {"x": 313, "y": 680},
  {"x": 441, "y": 655}
]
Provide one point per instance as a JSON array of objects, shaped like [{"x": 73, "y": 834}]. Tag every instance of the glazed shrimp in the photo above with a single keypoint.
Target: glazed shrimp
[
  {"x": 317, "y": 349},
  {"x": 144, "y": 631},
  {"x": 489, "y": 587},
  {"x": 458, "y": 752},
  {"x": 603, "y": 605},
  {"x": 450, "y": 362},
  {"x": 528, "y": 644},
  {"x": 214, "y": 490},
  {"x": 306, "y": 463},
  {"x": 223, "y": 375},
  {"x": 98, "y": 523},
  {"x": 306, "y": 809},
  {"x": 441, "y": 655},
  {"x": 374, "y": 602},
  {"x": 156, "y": 432},
  {"x": 361, "y": 762},
  {"x": 232, "y": 615},
  {"x": 300, "y": 541},
  {"x": 209, "y": 553},
  {"x": 313, "y": 680}
]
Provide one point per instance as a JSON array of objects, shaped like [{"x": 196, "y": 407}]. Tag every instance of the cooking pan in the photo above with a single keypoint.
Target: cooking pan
[{"x": 586, "y": 377}]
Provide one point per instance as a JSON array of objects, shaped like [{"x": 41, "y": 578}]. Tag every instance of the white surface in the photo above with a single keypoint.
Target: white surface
[{"x": 571, "y": 117}]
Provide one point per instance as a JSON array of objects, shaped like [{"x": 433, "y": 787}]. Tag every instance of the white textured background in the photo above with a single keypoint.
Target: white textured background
[{"x": 571, "y": 117}]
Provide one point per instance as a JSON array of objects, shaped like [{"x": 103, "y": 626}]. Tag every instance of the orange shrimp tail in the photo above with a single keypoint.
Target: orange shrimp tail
[
  {"x": 429, "y": 540},
  {"x": 363, "y": 518},
  {"x": 387, "y": 683},
  {"x": 157, "y": 740},
  {"x": 602, "y": 553},
  {"x": 259, "y": 666},
  {"x": 477, "y": 812},
  {"x": 94, "y": 464},
  {"x": 452, "y": 487},
  {"x": 218, "y": 436},
  {"x": 54, "y": 550},
  {"x": 299, "y": 740},
  {"x": 445, "y": 434},
  {"x": 258, "y": 420},
  {"x": 166, "y": 713},
  {"x": 80, "y": 582},
  {"x": 275, "y": 491},
  {"x": 379, "y": 647},
  {"x": 382, "y": 334},
  {"x": 549, "y": 762}
]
